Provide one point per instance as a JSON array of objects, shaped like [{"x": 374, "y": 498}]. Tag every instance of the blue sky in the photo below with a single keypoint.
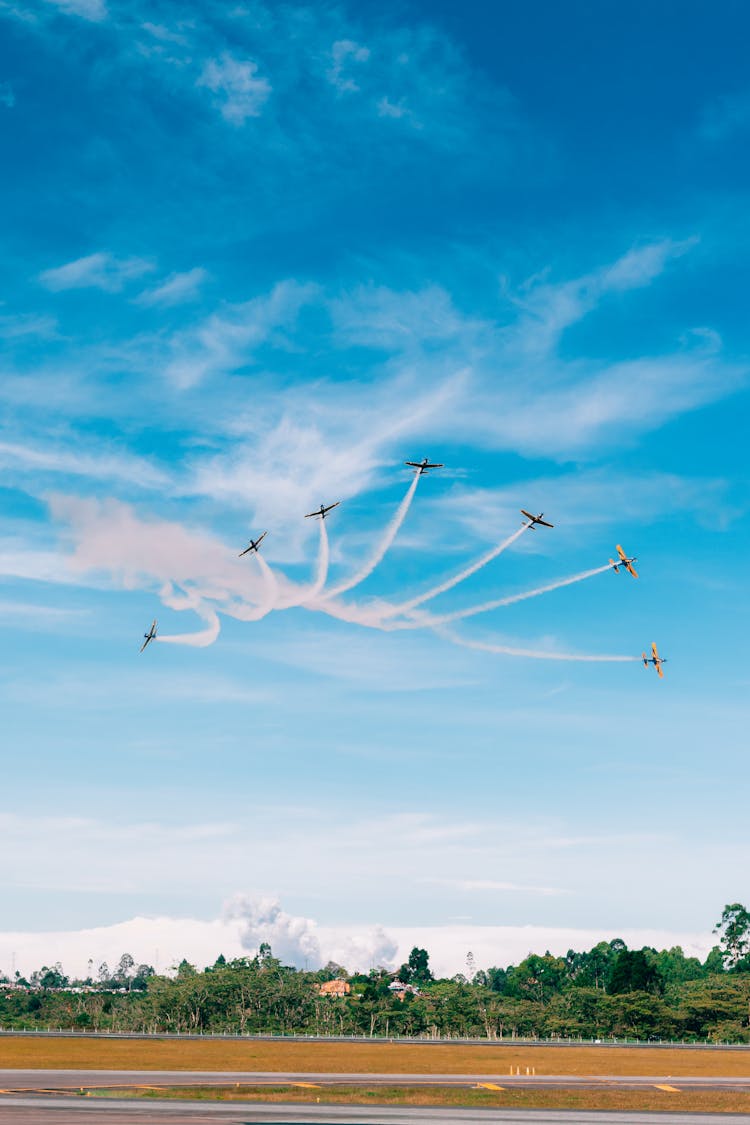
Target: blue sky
[{"x": 255, "y": 258}]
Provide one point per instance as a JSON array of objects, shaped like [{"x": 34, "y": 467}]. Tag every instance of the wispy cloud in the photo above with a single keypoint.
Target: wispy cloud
[
  {"x": 16, "y": 458},
  {"x": 177, "y": 289},
  {"x": 596, "y": 497},
  {"x": 492, "y": 885},
  {"x": 240, "y": 91},
  {"x": 345, "y": 57},
  {"x": 27, "y": 324},
  {"x": 93, "y": 10},
  {"x": 379, "y": 317},
  {"x": 226, "y": 339},
  {"x": 33, "y": 615},
  {"x": 96, "y": 271},
  {"x": 7, "y": 95},
  {"x": 548, "y": 308}
]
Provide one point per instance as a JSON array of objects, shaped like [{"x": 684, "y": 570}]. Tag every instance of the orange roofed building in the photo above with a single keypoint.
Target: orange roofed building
[{"x": 334, "y": 988}]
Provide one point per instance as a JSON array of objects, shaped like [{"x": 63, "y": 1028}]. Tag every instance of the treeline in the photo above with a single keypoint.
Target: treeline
[{"x": 608, "y": 991}]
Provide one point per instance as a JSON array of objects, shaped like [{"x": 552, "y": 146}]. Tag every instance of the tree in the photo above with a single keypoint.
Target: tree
[
  {"x": 496, "y": 978},
  {"x": 632, "y": 971},
  {"x": 537, "y": 977},
  {"x": 123, "y": 971},
  {"x": 734, "y": 928},
  {"x": 417, "y": 969}
]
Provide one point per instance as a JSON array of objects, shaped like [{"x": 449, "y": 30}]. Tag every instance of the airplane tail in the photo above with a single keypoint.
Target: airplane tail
[{"x": 615, "y": 566}]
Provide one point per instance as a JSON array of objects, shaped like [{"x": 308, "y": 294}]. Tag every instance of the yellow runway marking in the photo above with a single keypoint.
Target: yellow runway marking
[
  {"x": 307, "y": 1085},
  {"x": 488, "y": 1086},
  {"x": 669, "y": 1089}
]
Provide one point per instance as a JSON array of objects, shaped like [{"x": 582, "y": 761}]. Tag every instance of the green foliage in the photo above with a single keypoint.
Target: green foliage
[
  {"x": 632, "y": 971},
  {"x": 734, "y": 928},
  {"x": 416, "y": 971},
  {"x": 605, "y": 991}
]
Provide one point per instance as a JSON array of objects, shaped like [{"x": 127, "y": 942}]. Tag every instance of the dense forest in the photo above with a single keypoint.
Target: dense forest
[{"x": 608, "y": 991}]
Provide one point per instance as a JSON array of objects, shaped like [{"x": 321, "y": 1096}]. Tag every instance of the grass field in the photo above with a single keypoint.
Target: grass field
[
  {"x": 393, "y": 1058},
  {"x": 712, "y": 1101}
]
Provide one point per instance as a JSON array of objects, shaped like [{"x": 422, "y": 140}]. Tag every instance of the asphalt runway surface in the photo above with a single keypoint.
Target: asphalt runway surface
[
  {"x": 31, "y": 1081},
  {"x": 56, "y": 1111}
]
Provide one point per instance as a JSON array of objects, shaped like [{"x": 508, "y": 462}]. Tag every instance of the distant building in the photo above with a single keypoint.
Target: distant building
[
  {"x": 334, "y": 988},
  {"x": 400, "y": 990}
]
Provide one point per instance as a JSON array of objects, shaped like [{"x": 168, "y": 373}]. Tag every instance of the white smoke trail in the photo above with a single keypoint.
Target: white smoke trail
[
  {"x": 535, "y": 654},
  {"x": 404, "y": 607},
  {"x": 203, "y": 638},
  {"x": 272, "y": 585},
  {"x": 384, "y": 544},
  {"x": 322, "y": 571},
  {"x": 485, "y": 607}
]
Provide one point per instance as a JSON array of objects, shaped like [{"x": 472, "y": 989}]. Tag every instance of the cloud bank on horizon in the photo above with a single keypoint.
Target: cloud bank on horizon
[
  {"x": 276, "y": 252},
  {"x": 247, "y": 922}
]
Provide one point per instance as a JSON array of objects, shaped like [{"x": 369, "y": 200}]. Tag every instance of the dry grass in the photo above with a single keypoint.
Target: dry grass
[
  {"x": 706, "y": 1101},
  {"x": 364, "y": 1058}
]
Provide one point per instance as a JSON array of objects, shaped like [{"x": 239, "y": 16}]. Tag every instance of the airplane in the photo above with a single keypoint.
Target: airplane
[
  {"x": 149, "y": 636},
  {"x": 655, "y": 659},
  {"x": 254, "y": 544},
  {"x": 423, "y": 466},
  {"x": 624, "y": 562},
  {"x": 535, "y": 519},
  {"x": 322, "y": 511}
]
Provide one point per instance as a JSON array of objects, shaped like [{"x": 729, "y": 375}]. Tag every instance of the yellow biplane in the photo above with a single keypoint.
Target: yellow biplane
[
  {"x": 624, "y": 562},
  {"x": 654, "y": 659}
]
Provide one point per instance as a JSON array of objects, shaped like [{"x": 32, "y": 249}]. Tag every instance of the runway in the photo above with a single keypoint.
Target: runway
[
  {"x": 63, "y": 1111},
  {"x": 30, "y": 1081}
]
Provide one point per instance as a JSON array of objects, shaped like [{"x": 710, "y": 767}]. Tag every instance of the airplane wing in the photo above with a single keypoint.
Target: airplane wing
[
  {"x": 328, "y": 507},
  {"x": 545, "y": 524},
  {"x": 311, "y": 514},
  {"x": 654, "y": 651},
  {"x": 658, "y": 669},
  {"x": 414, "y": 464},
  {"x": 631, "y": 569},
  {"x": 527, "y": 514},
  {"x": 437, "y": 465}
]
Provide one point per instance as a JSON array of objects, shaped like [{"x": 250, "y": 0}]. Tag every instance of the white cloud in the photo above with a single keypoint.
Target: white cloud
[
  {"x": 27, "y": 324},
  {"x": 344, "y": 53},
  {"x": 225, "y": 340},
  {"x": 262, "y": 921},
  {"x": 498, "y": 885},
  {"x": 591, "y": 498},
  {"x": 164, "y": 941},
  {"x": 17, "y": 459},
  {"x": 241, "y": 93},
  {"x": 398, "y": 111},
  {"x": 7, "y": 96},
  {"x": 33, "y": 616},
  {"x": 382, "y": 864},
  {"x": 164, "y": 34},
  {"x": 176, "y": 290},
  {"x": 93, "y": 10},
  {"x": 547, "y": 309},
  {"x": 96, "y": 271},
  {"x": 374, "y": 316}
]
